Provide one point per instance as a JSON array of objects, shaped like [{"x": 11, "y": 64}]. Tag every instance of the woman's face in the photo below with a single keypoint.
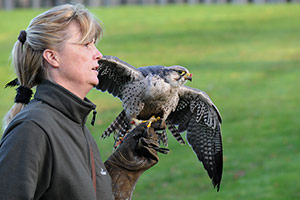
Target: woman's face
[{"x": 78, "y": 64}]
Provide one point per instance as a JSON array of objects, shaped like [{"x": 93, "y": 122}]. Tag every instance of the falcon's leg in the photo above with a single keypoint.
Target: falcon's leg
[
  {"x": 163, "y": 134},
  {"x": 149, "y": 122},
  {"x": 136, "y": 122}
]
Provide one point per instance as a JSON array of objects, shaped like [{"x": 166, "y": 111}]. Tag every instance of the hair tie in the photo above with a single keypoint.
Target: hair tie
[
  {"x": 22, "y": 36},
  {"x": 23, "y": 95}
]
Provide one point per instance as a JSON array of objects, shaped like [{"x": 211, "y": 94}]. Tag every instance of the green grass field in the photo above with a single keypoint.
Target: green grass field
[{"x": 246, "y": 57}]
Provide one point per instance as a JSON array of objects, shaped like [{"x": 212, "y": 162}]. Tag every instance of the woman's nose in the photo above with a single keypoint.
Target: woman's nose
[{"x": 98, "y": 55}]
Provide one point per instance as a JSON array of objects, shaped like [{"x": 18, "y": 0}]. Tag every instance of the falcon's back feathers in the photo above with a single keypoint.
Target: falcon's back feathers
[{"x": 194, "y": 112}]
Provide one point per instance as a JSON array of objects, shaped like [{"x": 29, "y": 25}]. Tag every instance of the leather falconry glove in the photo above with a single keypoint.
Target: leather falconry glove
[{"x": 136, "y": 154}]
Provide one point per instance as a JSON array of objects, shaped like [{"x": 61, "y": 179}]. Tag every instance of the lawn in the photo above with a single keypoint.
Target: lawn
[{"x": 246, "y": 57}]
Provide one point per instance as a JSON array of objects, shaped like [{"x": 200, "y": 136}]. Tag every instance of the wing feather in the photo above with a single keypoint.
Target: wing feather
[
  {"x": 114, "y": 74},
  {"x": 196, "y": 114}
]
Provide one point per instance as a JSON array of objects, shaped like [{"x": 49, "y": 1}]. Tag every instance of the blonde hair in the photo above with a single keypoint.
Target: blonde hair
[{"x": 48, "y": 31}]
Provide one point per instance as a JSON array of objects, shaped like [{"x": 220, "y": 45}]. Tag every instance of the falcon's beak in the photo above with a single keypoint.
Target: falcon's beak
[{"x": 188, "y": 76}]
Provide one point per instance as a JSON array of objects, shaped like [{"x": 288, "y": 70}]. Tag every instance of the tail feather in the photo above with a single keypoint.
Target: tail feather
[
  {"x": 164, "y": 138},
  {"x": 176, "y": 133}
]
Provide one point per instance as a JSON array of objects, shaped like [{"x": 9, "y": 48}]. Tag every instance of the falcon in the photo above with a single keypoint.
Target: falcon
[{"x": 160, "y": 92}]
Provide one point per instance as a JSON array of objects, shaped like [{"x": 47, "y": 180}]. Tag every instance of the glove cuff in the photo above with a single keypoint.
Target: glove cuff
[{"x": 123, "y": 180}]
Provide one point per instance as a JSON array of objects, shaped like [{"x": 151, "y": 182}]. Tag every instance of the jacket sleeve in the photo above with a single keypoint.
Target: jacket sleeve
[{"x": 25, "y": 162}]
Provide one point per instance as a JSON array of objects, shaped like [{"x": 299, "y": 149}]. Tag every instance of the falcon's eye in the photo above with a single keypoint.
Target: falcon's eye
[{"x": 181, "y": 73}]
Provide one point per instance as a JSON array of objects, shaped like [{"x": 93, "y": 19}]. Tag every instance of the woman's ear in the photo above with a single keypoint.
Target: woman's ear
[{"x": 51, "y": 57}]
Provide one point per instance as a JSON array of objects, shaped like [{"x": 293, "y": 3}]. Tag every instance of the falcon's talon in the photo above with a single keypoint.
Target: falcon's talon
[{"x": 151, "y": 120}]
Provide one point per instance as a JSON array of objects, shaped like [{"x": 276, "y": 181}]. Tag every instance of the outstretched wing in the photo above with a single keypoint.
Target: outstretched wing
[
  {"x": 197, "y": 114},
  {"x": 114, "y": 74}
]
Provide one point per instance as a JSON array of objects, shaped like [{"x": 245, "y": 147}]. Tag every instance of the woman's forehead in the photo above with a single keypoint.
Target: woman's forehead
[
  {"x": 74, "y": 31},
  {"x": 78, "y": 35}
]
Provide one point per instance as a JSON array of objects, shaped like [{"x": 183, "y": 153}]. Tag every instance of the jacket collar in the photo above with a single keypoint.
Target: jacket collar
[{"x": 64, "y": 101}]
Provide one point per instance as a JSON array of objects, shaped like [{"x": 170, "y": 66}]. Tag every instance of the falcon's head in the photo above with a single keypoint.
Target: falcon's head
[{"x": 177, "y": 75}]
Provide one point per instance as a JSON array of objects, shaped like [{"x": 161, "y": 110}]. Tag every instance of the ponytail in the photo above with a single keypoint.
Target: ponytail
[{"x": 27, "y": 76}]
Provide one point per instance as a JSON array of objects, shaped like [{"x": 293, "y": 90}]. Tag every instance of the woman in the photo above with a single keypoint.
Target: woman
[{"x": 46, "y": 151}]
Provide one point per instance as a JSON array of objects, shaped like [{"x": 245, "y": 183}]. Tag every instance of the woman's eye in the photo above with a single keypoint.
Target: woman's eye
[{"x": 90, "y": 43}]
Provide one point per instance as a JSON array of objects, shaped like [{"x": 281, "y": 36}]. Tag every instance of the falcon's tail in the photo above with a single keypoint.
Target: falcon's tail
[
  {"x": 163, "y": 137},
  {"x": 176, "y": 133},
  {"x": 119, "y": 126}
]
